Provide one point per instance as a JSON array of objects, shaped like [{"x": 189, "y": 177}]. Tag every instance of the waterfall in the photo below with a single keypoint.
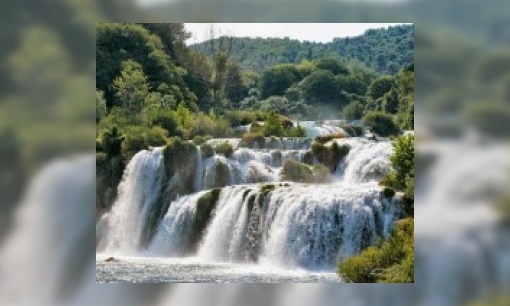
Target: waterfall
[
  {"x": 138, "y": 191},
  {"x": 367, "y": 160},
  {"x": 306, "y": 226},
  {"x": 239, "y": 209}
]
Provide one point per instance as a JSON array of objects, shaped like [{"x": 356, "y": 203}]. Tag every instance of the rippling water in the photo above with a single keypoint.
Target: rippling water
[{"x": 184, "y": 270}]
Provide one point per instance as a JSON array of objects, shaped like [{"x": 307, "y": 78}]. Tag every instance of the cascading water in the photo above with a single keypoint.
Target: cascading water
[
  {"x": 255, "y": 216},
  {"x": 298, "y": 225},
  {"x": 138, "y": 191}
]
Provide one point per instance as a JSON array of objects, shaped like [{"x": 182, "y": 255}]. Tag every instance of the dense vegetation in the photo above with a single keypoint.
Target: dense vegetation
[
  {"x": 392, "y": 260},
  {"x": 385, "y": 51}
]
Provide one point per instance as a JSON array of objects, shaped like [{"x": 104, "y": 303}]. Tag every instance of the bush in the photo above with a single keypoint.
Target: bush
[
  {"x": 330, "y": 156},
  {"x": 388, "y": 192},
  {"x": 296, "y": 172},
  {"x": 252, "y": 140},
  {"x": 207, "y": 150},
  {"x": 353, "y": 111},
  {"x": 198, "y": 140},
  {"x": 225, "y": 149},
  {"x": 327, "y": 138},
  {"x": 381, "y": 123},
  {"x": 165, "y": 119},
  {"x": 392, "y": 261}
]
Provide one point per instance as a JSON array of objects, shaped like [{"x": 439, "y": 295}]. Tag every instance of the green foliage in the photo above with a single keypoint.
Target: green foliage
[
  {"x": 276, "y": 80},
  {"x": 381, "y": 123},
  {"x": 401, "y": 178},
  {"x": 165, "y": 119},
  {"x": 296, "y": 172},
  {"x": 332, "y": 65},
  {"x": 391, "y": 262},
  {"x": 273, "y": 125},
  {"x": 111, "y": 141},
  {"x": 402, "y": 160},
  {"x": 224, "y": 149},
  {"x": 138, "y": 138},
  {"x": 117, "y": 43},
  {"x": 253, "y": 140},
  {"x": 321, "y": 87},
  {"x": 131, "y": 88},
  {"x": 258, "y": 54},
  {"x": 198, "y": 140},
  {"x": 265, "y": 189},
  {"x": 100, "y": 106},
  {"x": 388, "y": 192},
  {"x": 330, "y": 156},
  {"x": 328, "y": 138},
  {"x": 380, "y": 87},
  {"x": 353, "y": 111},
  {"x": 207, "y": 150}
]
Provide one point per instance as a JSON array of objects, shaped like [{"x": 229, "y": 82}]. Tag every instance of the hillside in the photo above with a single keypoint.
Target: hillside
[{"x": 383, "y": 50}]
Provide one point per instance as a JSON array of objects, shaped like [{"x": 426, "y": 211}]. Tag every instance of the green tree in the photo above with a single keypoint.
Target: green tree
[
  {"x": 235, "y": 89},
  {"x": 332, "y": 65},
  {"x": 273, "y": 125},
  {"x": 381, "y": 123},
  {"x": 353, "y": 111},
  {"x": 391, "y": 101},
  {"x": 100, "y": 106},
  {"x": 131, "y": 88},
  {"x": 380, "y": 86},
  {"x": 402, "y": 160},
  {"x": 321, "y": 87},
  {"x": 276, "y": 80}
]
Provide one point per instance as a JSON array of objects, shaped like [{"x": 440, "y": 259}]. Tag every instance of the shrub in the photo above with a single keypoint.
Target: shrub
[
  {"x": 381, "y": 123},
  {"x": 252, "y": 140},
  {"x": 99, "y": 148},
  {"x": 327, "y": 138},
  {"x": 225, "y": 149},
  {"x": 198, "y": 140},
  {"x": 156, "y": 136},
  {"x": 296, "y": 172},
  {"x": 286, "y": 122},
  {"x": 353, "y": 111},
  {"x": 388, "y": 192},
  {"x": 391, "y": 261},
  {"x": 265, "y": 189},
  {"x": 165, "y": 119},
  {"x": 273, "y": 125},
  {"x": 207, "y": 150},
  {"x": 134, "y": 141},
  {"x": 330, "y": 156},
  {"x": 111, "y": 141}
]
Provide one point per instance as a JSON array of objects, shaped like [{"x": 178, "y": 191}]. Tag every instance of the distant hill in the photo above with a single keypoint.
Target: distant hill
[{"x": 384, "y": 50}]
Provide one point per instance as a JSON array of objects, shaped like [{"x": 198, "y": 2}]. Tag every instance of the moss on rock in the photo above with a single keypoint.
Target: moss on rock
[
  {"x": 330, "y": 156},
  {"x": 253, "y": 140},
  {"x": 224, "y": 149},
  {"x": 296, "y": 172},
  {"x": 322, "y": 175},
  {"x": 204, "y": 208},
  {"x": 207, "y": 150}
]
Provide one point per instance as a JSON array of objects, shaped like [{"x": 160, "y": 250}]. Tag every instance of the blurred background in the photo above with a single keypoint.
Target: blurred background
[{"x": 47, "y": 127}]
